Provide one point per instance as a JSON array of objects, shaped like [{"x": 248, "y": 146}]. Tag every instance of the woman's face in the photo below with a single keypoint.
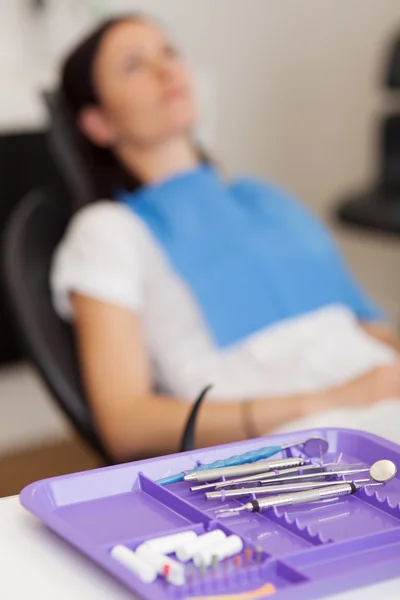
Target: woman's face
[{"x": 143, "y": 86}]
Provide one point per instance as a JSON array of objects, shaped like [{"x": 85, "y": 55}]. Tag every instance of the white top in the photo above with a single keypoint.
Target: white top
[
  {"x": 38, "y": 565},
  {"x": 109, "y": 254}
]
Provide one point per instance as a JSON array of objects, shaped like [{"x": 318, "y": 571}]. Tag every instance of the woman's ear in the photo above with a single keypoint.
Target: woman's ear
[{"x": 93, "y": 125}]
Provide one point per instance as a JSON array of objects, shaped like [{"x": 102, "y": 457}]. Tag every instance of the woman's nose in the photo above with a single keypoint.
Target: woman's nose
[{"x": 161, "y": 67}]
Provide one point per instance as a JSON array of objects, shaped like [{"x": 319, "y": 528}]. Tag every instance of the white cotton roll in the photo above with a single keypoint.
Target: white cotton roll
[
  {"x": 188, "y": 550},
  {"x": 170, "y": 543},
  {"x": 176, "y": 572},
  {"x": 129, "y": 559},
  {"x": 229, "y": 547}
]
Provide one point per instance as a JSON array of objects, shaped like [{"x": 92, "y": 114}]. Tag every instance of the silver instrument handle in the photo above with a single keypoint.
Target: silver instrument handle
[
  {"x": 247, "y": 469},
  {"x": 342, "y": 489}
]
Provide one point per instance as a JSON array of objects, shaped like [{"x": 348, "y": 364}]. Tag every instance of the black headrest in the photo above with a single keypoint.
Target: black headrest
[
  {"x": 393, "y": 72},
  {"x": 67, "y": 150}
]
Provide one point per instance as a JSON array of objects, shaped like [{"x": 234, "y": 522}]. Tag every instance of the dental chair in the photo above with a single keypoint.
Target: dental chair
[{"x": 30, "y": 238}]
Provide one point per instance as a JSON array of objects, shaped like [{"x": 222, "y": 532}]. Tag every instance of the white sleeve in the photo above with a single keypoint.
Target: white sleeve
[{"x": 99, "y": 258}]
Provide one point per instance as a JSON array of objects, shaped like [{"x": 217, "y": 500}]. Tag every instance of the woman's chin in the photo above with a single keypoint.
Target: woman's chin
[{"x": 181, "y": 117}]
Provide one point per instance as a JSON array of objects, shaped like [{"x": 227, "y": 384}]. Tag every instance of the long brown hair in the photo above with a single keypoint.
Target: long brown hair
[{"x": 77, "y": 90}]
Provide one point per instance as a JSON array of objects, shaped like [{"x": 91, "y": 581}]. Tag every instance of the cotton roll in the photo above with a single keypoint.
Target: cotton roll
[
  {"x": 170, "y": 543},
  {"x": 189, "y": 549},
  {"x": 129, "y": 559},
  {"x": 176, "y": 573},
  {"x": 229, "y": 547}
]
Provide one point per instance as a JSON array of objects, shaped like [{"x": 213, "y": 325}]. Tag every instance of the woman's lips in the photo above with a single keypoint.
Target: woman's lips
[{"x": 176, "y": 93}]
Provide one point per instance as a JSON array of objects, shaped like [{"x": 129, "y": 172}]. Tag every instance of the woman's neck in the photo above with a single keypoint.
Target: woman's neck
[{"x": 160, "y": 162}]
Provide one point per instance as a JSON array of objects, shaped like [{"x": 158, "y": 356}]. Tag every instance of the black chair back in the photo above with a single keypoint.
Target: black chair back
[
  {"x": 32, "y": 234},
  {"x": 68, "y": 150}
]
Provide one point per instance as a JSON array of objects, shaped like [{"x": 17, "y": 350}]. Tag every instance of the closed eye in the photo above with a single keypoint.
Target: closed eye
[{"x": 131, "y": 63}]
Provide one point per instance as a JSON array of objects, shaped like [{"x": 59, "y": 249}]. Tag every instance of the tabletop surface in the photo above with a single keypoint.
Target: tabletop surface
[{"x": 36, "y": 563}]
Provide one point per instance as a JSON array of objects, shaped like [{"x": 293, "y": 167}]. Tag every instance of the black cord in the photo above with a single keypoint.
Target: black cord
[{"x": 188, "y": 439}]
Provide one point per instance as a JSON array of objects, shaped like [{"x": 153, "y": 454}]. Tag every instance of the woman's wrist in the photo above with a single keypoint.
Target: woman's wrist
[
  {"x": 249, "y": 419},
  {"x": 315, "y": 402},
  {"x": 270, "y": 413},
  {"x": 262, "y": 415}
]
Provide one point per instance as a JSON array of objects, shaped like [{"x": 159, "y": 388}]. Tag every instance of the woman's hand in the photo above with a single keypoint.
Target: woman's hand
[{"x": 382, "y": 383}]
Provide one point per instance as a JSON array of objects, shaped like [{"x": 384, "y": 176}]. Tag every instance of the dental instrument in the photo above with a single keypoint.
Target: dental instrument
[{"x": 336, "y": 491}]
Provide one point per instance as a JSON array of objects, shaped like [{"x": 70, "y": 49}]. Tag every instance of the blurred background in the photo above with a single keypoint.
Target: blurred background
[{"x": 296, "y": 92}]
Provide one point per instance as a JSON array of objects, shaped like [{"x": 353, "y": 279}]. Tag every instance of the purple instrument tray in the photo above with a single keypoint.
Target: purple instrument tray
[{"x": 307, "y": 551}]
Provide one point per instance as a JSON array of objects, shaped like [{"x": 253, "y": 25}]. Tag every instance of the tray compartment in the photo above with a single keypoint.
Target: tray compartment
[
  {"x": 383, "y": 499},
  {"x": 338, "y": 520},
  {"x": 301, "y": 530},
  {"x": 173, "y": 502},
  {"x": 274, "y": 537},
  {"x": 227, "y": 579},
  {"x": 109, "y": 520},
  {"x": 376, "y": 551},
  {"x": 147, "y": 510},
  {"x": 368, "y": 450}
]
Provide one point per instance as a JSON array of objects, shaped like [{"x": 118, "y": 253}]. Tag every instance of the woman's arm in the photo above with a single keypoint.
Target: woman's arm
[
  {"x": 383, "y": 333},
  {"x": 135, "y": 422}
]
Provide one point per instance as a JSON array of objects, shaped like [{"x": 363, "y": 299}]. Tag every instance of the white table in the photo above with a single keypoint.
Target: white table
[{"x": 36, "y": 564}]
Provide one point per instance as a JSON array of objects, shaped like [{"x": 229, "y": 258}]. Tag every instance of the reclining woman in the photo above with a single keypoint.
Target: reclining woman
[{"x": 176, "y": 278}]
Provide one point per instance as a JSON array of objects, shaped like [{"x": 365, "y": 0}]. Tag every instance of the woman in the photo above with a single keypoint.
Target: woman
[{"x": 175, "y": 279}]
